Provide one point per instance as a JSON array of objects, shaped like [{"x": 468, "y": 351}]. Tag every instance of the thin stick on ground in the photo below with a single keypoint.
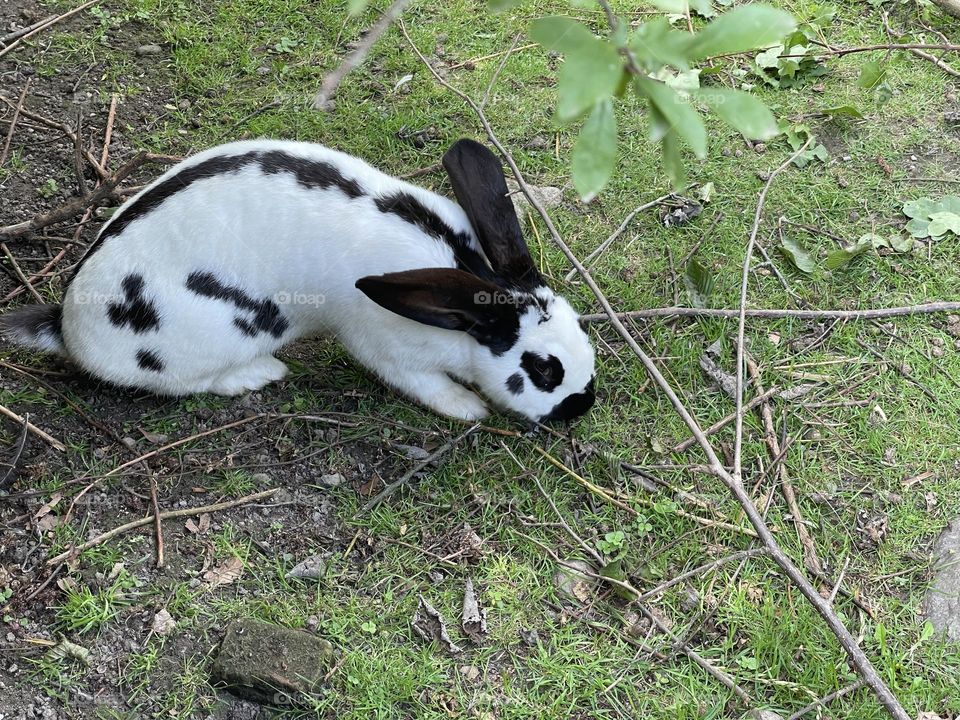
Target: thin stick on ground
[
  {"x": 733, "y": 484},
  {"x": 496, "y": 74},
  {"x": 852, "y": 687},
  {"x": 868, "y": 314},
  {"x": 65, "y": 129},
  {"x": 13, "y": 121},
  {"x": 169, "y": 515},
  {"x": 617, "y": 233},
  {"x": 720, "y": 424},
  {"x": 11, "y": 36},
  {"x": 742, "y": 318},
  {"x": 49, "y": 439},
  {"x": 332, "y": 81},
  {"x": 74, "y": 206},
  {"x": 19, "y": 273},
  {"x": 735, "y": 557},
  {"x": 407, "y": 476},
  {"x": 19, "y": 445},
  {"x": 108, "y": 133},
  {"x": 810, "y": 557},
  {"x": 46, "y": 24},
  {"x": 158, "y": 529}
]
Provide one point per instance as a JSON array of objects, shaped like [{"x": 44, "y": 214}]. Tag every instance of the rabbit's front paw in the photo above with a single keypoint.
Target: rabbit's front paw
[{"x": 463, "y": 404}]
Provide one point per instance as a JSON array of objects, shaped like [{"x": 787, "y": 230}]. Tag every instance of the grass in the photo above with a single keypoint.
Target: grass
[{"x": 230, "y": 58}]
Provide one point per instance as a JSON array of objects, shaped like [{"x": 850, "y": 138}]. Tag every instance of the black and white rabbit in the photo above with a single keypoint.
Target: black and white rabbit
[{"x": 201, "y": 277}]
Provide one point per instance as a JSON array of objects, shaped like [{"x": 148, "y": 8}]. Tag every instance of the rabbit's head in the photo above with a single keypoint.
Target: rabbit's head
[{"x": 532, "y": 355}]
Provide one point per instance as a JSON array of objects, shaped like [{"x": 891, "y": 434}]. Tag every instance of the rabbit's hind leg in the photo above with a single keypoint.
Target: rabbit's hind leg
[{"x": 254, "y": 375}]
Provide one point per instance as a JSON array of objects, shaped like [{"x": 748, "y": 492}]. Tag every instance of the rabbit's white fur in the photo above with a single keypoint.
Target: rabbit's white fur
[{"x": 249, "y": 236}]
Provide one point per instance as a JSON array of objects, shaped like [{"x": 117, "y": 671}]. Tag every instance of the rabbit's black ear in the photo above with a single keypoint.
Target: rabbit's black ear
[
  {"x": 449, "y": 299},
  {"x": 481, "y": 190}
]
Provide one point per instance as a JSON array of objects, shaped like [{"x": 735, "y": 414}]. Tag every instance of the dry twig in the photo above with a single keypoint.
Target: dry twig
[
  {"x": 170, "y": 514},
  {"x": 332, "y": 81},
  {"x": 40, "y": 27},
  {"x": 869, "y": 314},
  {"x": 13, "y": 121},
  {"x": 52, "y": 441},
  {"x": 156, "y": 520}
]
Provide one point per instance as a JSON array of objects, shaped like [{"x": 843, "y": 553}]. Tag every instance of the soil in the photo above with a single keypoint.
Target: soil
[{"x": 120, "y": 425}]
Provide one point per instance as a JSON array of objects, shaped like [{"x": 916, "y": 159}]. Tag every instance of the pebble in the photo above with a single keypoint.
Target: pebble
[
  {"x": 332, "y": 480},
  {"x": 263, "y": 70},
  {"x": 150, "y": 49},
  {"x": 760, "y": 148}
]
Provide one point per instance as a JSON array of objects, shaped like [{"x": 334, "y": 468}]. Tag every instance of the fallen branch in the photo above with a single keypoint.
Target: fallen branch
[
  {"x": 40, "y": 27},
  {"x": 734, "y": 485},
  {"x": 50, "y": 440},
  {"x": 332, "y": 81},
  {"x": 19, "y": 446},
  {"x": 403, "y": 480},
  {"x": 11, "y": 36},
  {"x": 840, "y": 52},
  {"x": 169, "y": 515},
  {"x": 65, "y": 129},
  {"x": 870, "y": 314},
  {"x": 950, "y": 7},
  {"x": 13, "y": 121},
  {"x": 852, "y": 687},
  {"x": 19, "y": 273},
  {"x": 158, "y": 529},
  {"x": 74, "y": 206},
  {"x": 720, "y": 424}
]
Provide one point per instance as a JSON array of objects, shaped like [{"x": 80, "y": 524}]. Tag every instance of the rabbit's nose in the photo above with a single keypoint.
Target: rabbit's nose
[{"x": 572, "y": 406}]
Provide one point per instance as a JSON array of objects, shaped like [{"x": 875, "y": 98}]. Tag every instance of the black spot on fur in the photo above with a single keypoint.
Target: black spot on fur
[
  {"x": 572, "y": 406},
  {"x": 515, "y": 383},
  {"x": 136, "y": 311},
  {"x": 309, "y": 173},
  {"x": 545, "y": 373},
  {"x": 264, "y": 314},
  {"x": 149, "y": 360},
  {"x": 408, "y": 208}
]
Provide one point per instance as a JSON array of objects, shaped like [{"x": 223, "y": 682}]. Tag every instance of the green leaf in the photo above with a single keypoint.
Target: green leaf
[
  {"x": 677, "y": 113},
  {"x": 797, "y": 256},
  {"x": 918, "y": 227},
  {"x": 902, "y": 243},
  {"x": 744, "y": 28},
  {"x": 561, "y": 34},
  {"x": 355, "y": 7},
  {"x": 943, "y": 222},
  {"x": 656, "y": 44},
  {"x": 699, "y": 282},
  {"x": 672, "y": 162},
  {"x": 840, "y": 257},
  {"x": 706, "y": 193},
  {"x": 595, "y": 152},
  {"x": 592, "y": 69},
  {"x": 871, "y": 74},
  {"x": 920, "y": 208},
  {"x": 741, "y": 110}
]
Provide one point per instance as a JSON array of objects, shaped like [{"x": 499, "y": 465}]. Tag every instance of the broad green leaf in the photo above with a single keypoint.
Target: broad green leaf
[
  {"x": 871, "y": 74},
  {"x": 742, "y": 111},
  {"x": 595, "y": 152},
  {"x": 684, "y": 82},
  {"x": 678, "y": 114},
  {"x": 918, "y": 227},
  {"x": 797, "y": 256},
  {"x": 769, "y": 58},
  {"x": 655, "y": 44},
  {"x": 562, "y": 34},
  {"x": 949, "y": 203},
  {"x": 699, "y": 283},
  {"x": 680, "y": 7},
  {"x": 920, "y": 208},
  {"x": 943, "y": 222},
  {"x": 902, "y": 243},
  {"x": 744, "y": 28},
  {"x": 845, "y": 110},
  {"x": 840, "y": 257},
  {"x": 355, "y": 7},
  {"x": 591, "y": 71},
  {"x": 661, "y": 132},
  {"x": 706, "y": 193}
]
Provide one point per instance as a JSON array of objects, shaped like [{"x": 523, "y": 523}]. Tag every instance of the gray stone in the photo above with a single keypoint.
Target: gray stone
[
  {"x": 149, "y": 50},
  {"x": 271, "y": 664},
  {"x": 942, "y": 603},
  {"x": 547, "y": 196},
  {"x": 332, "y": 480}
]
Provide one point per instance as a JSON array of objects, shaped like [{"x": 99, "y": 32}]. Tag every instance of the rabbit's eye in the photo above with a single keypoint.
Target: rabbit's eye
[{"x": 545, "y": 373}]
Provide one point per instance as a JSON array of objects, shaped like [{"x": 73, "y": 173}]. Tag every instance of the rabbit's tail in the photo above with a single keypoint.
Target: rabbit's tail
[{"x": 34, "y": 326}]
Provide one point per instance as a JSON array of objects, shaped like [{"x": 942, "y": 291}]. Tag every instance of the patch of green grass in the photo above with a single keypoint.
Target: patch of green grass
[{"x": 85, "y": 609}]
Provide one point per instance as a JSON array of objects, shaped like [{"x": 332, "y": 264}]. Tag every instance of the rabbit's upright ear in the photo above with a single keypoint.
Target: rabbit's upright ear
[
  {"x": 450, "y": 299},
  {"x": 481, "y": 190}
]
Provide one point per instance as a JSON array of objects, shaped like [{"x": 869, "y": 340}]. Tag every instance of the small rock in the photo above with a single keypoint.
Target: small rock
[
  {"x": 937, "y": 352},
  {"x": 846, "y": 158},
  {"x": 150, "y": 49},
  {"x": 332, "y": 480},
  {"x": 738, "y": 153},
  {"x": 265, "y": 662},
  {"x": 163, "y": 623},
  {"x": 761, "y": 715},
  {"x": 760, "y": 148},
  {"x": 312, "y": 568},
  {"x": 942, "y": 603},
  {"x": 537, "y": 142},
  {"x": 129, "y": 443},
  {"x": 263, "y": 70},
  {"x": 530, "y": 637},
  {"x": 184, "y": 104},
  {"x": 546, "y": 195}
]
